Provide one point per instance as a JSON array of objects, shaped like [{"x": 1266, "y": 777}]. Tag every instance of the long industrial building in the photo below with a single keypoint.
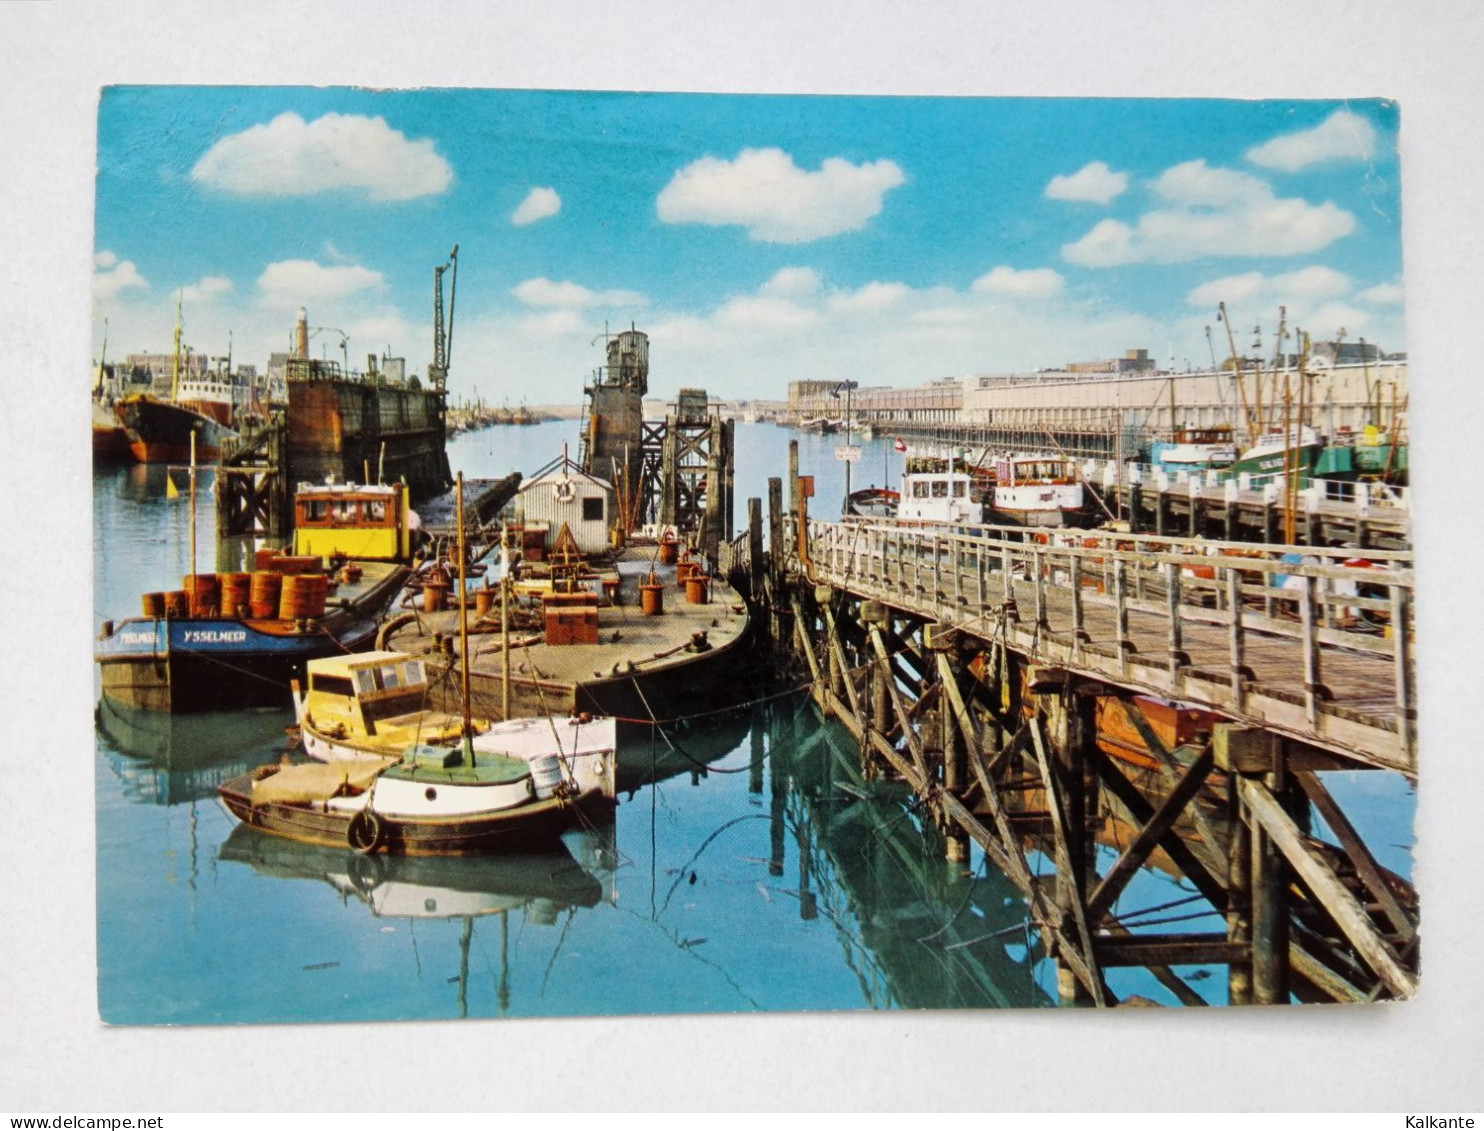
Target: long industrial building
[{"x": 1102, "y": 409}]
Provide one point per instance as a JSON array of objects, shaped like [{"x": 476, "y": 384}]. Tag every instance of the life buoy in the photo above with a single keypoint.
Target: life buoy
[{"x": 364, "y": 833}]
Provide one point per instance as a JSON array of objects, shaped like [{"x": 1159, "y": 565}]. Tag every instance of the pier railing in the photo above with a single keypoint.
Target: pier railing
[{"x": 1317, "y": 647}]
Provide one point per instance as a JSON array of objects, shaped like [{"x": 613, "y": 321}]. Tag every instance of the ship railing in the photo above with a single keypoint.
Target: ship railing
[
  {"x": 734, "y": 561},
  {"x": 1361, "y": 493},
  {"x": 1137, "y": 608}
]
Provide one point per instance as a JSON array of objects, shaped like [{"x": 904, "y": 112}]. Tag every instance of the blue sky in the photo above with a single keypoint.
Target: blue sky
[{"x": 757, "y": 239}]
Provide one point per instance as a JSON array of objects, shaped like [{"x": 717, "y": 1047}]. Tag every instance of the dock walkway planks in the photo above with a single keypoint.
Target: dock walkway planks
[{"x": 1316, "y": 650}]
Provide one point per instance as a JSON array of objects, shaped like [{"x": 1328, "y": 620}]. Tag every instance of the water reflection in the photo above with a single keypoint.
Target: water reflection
[
  {"x": 426, "y": 887},
  {"x": 165, "y": 759},
  {"x": 927, "y": 933}
]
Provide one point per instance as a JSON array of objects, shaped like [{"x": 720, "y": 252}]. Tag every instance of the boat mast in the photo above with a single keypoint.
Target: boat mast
[
  {"x": 175, "y": 364},
  {"x": 100, "y": 391},
  {"x": 193, "y": 502},
  {"x": 504, "y": 626},
  {"x": 1237, "y": 364},
  {"x": 464, "y": 632}
]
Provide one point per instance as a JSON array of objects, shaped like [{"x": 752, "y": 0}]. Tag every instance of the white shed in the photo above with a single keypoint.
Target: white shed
[{"x": 562, "y": 494}]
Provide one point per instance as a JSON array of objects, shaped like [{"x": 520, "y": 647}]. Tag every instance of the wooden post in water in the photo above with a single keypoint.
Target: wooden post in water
[
  {"x": 793, "y": 476},
  {"x": 777, "y": 556},
  {"x": 956, "y": 738},
  {"x": 1239, "y": 902},
  {"x": 754, "y": 548}
]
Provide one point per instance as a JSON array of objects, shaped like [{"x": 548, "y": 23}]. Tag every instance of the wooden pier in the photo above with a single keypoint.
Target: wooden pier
[{"x": 987, "y": 670}]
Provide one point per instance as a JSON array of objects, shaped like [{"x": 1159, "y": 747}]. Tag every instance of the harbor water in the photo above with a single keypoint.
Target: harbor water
[{"x": 749, "y": 865}]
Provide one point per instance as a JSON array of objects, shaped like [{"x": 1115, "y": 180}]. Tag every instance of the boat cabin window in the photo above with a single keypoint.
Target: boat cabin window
[
  {"x": 959, "y": 488},
  {"x": 375, "y": 509},
  {"x": 389, "y": 677},
  {"x": 919, "y": 490},
  {"x": 333, "y": 685},
  {"x": 316, "y": 510},
  {"x": 940, "y": 489}
]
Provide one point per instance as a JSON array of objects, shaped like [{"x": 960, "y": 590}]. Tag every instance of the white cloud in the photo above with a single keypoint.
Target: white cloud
[
  {"x": 210, "y": 288},
  {"x": 751, "y": 344},
  {"x": 1309, "y": 284},
  {"x": 298, "y": 282},
  {"x": 776, "y": 201},
  {"x": 763, "y": 312},
  {"x": 538, "y": 205},
  {"x": 554, "y": 324},
  {"x": 792, "y": 282},
  {"x": 873, "y": 298},
  {"x": 1040, "y": 282},
  {"x": 547, "y": 292},
  {"x": 291, "y": 157},
  {"x": 1327, "y": 321},
  {"x": 1383, "y": 294},
  {"x": 1343, "y": 135},
  {"x": 113, "y": 276},
  {"x": 1216, "y": 212},
  {"x": 1094, "y": 182},
  {"x": 1196, "y": 184}
]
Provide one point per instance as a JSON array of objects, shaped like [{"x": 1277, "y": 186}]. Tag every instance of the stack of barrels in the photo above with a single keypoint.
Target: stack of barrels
[{"x": 264, "y": 594}]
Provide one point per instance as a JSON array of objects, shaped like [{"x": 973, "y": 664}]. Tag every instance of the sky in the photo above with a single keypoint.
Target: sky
[{"x": 756, "y": 239}]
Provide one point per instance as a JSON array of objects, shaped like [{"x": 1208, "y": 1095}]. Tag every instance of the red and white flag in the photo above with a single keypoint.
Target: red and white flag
[{"x": 900, "y": 445}]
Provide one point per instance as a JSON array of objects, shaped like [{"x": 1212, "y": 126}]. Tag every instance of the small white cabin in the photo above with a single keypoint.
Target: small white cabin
[
  {"x": 565, "y": 495},
  {"x": 937, "y": 497}
]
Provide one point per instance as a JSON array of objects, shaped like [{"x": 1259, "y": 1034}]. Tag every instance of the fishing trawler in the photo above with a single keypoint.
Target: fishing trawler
[
  {"x": 1036, "y": 490},
  {"x": 192, "y": 424},
  {"x": 1191, "y": 449}
]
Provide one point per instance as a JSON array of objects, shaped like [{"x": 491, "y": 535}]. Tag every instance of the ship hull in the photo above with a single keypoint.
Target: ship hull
[
  {"x": 160, "y": 432},
  {"x": 187, "y": 664},
  {"x": 110, "y": 441},
  {"x": 536, "y": 823}
]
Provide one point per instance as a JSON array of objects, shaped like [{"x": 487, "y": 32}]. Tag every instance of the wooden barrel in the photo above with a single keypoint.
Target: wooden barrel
[
  {"x": 303, "y": 596},
  {"x": 177, "y": 604},
  {"x": 264, "y": 593},
  {"x": 204, "y": 592},
  {"x": 236, "y": 593},
  {"x": 154, "y": 604}
]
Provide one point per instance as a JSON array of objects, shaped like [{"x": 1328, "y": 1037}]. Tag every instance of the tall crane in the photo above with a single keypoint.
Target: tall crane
[{"x": 443, "y": 336}]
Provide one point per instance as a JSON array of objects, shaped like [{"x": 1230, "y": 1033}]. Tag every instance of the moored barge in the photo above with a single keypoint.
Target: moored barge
[{"x": 226, "y": 641}]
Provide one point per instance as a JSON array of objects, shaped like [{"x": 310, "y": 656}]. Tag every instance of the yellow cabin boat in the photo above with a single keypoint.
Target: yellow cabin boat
[{"x": 368, "y": 523}]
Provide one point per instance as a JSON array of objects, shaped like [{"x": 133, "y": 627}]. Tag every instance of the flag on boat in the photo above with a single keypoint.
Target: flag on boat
[
  {"x": 171, "y": 491},
  {"x": 900, "y": 445}
]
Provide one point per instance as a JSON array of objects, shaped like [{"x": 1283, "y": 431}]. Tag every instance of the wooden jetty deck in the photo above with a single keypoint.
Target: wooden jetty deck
[
  {"x": 1292, "y": 647},
  {"x": 983, "y": 666}
]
